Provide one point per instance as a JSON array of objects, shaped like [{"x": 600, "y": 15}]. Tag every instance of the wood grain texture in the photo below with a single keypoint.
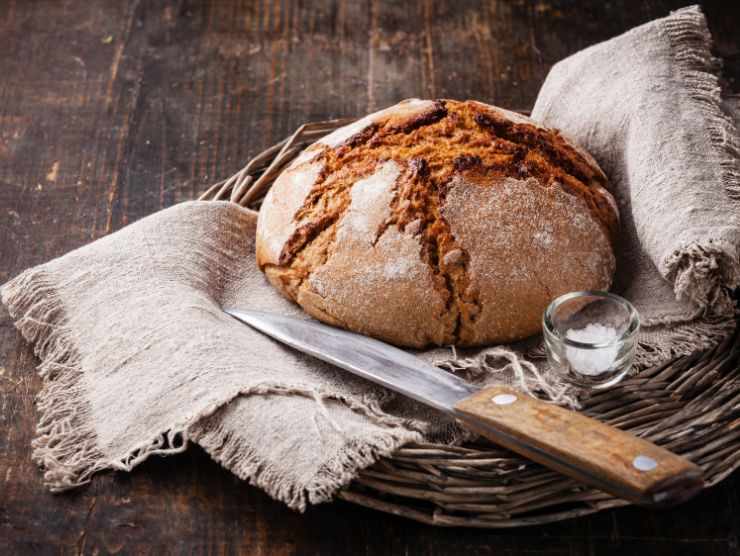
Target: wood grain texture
[
  {"x": 110, "y": 110},
  {"x": 580, "y": 447}
]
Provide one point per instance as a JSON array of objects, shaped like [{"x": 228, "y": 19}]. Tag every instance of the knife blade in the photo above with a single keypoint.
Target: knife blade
[
  {"x": 566, "y": 441},
  {"x": 371, "y": 359}
]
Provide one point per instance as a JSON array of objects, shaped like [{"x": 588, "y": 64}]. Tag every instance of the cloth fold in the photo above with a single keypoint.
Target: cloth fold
[{"x": 138, "y": 358}]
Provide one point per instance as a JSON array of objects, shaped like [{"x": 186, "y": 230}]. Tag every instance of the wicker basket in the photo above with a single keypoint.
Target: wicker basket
[{"x": 690, "y": 405}]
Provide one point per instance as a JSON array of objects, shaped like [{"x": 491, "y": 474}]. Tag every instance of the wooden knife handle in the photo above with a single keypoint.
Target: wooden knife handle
[{"x": 580, "y": 447}]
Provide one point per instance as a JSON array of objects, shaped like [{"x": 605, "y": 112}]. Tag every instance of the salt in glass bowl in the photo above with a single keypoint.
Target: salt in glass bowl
[{"x": 590, "y": 337}]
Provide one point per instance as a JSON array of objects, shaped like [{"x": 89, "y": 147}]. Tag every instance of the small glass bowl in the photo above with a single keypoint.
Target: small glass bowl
[{"x": 590, "y": 337}]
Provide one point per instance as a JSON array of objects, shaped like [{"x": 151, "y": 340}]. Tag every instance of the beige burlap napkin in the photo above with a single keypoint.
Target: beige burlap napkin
[
  {"x": 137, "y": 357},
  {"x": 648, "y": 106}
]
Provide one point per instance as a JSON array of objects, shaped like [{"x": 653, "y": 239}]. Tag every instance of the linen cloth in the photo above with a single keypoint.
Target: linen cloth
[
  {"x": 137, "y": 357},
  {"x": 648, "y": 106}
]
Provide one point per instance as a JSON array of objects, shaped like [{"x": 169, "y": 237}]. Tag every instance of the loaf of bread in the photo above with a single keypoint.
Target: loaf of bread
[{"x": 436, "y": 223}]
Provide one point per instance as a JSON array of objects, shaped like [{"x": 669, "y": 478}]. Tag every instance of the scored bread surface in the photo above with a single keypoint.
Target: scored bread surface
[{"x": 438, "y": 222}]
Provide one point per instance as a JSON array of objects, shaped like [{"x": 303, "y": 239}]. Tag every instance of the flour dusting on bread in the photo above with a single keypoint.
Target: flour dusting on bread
[
  {"x": 295, "y": 186},
  {"x": 370, "y": 204}
]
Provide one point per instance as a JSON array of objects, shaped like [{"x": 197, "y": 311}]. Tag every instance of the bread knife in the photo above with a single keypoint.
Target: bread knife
[{"x": 582, "y": 448}]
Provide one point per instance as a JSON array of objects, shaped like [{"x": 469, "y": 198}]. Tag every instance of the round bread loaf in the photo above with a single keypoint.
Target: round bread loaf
[{"x": 438, "y": 222}]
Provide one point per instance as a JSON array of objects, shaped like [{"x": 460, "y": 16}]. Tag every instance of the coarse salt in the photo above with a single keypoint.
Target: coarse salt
[{"x": 592, "y": 362}]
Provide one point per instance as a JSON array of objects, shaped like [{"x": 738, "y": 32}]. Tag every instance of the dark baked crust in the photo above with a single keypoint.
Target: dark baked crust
[{"x": 434, "y": 143}]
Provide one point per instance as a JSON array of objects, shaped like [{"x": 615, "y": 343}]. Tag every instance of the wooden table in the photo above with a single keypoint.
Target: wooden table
[{"x": 111, "y": 110}]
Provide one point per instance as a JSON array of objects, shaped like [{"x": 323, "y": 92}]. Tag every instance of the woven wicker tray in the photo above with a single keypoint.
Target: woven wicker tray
[{"x": 690, "y": 405}]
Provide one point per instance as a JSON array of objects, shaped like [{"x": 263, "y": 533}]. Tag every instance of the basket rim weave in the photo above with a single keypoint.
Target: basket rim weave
[{"x": 690, "y": 405}]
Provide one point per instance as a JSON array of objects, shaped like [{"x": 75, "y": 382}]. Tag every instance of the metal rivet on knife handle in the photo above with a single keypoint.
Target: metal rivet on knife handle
[
  {"x": 644, "y": 463},
  {"x": 504, "y": 399}
]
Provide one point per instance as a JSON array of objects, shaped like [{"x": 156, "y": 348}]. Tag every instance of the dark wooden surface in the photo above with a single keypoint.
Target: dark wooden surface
[{"x": 111, "y": 110}]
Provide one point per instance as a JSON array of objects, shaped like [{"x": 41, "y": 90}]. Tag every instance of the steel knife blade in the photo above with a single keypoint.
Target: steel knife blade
[{"x": 367, "y": 357}]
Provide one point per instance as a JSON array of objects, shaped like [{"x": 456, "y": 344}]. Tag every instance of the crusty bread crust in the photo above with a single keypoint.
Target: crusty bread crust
[{"x": 438, "y": 222}]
